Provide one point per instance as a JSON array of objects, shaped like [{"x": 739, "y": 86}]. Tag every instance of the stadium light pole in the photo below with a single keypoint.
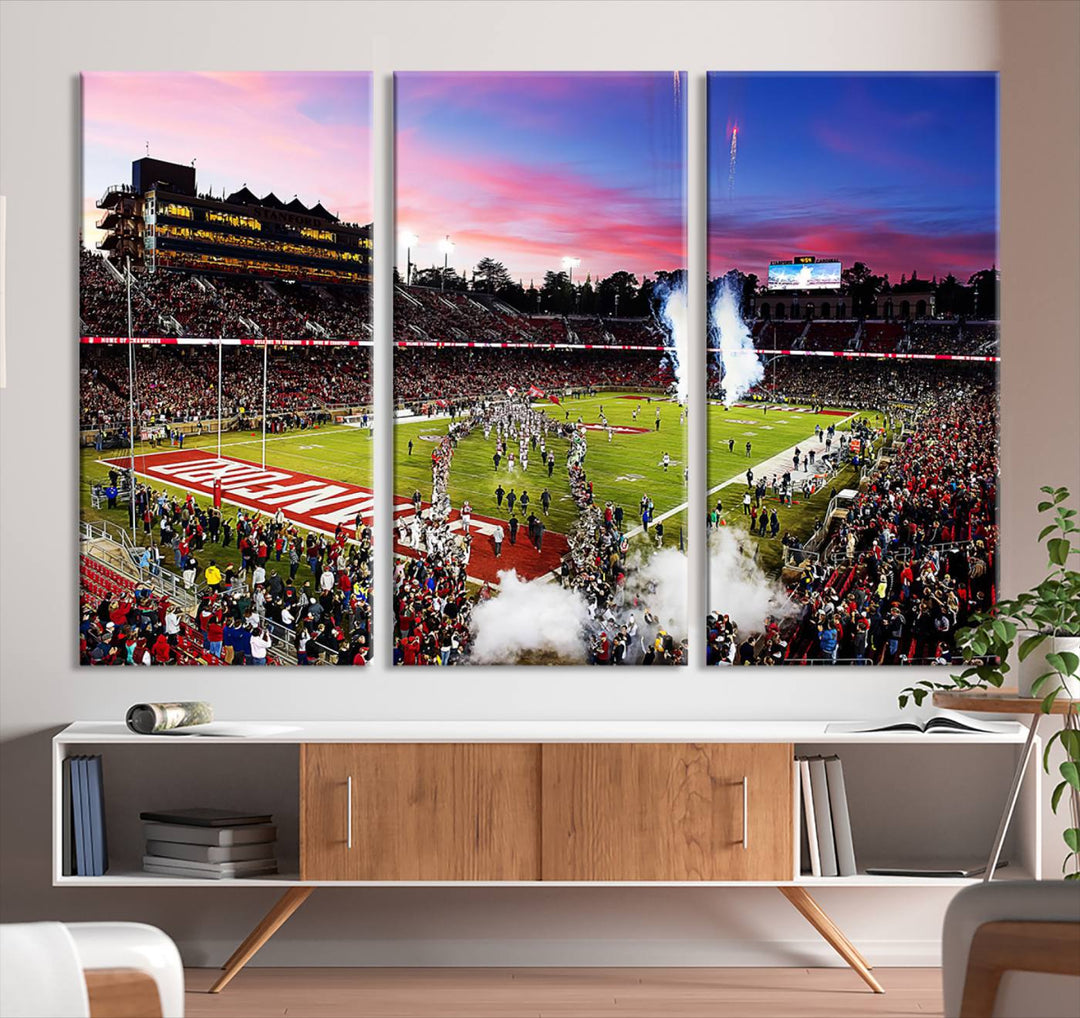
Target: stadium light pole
[
  {"x": 131, "y": 404},
  {"x": 569, "y": 263},
  {"x": 407, "y": 240},
  {"x": 446, "y": 245}
]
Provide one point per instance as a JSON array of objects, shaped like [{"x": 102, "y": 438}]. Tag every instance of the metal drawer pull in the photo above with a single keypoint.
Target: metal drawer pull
[
  {"x": 745, "y": 811},
  {"x": 348, "y": 812}
]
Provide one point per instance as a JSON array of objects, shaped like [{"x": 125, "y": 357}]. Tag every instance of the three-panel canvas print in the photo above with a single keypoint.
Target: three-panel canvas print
[{"x": 543, "y": 370}]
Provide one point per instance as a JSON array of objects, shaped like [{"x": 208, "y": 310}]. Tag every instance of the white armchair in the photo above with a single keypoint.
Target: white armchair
[
  {"x": 1012, "y": 950},
  {"x": 88, "y": 970}
]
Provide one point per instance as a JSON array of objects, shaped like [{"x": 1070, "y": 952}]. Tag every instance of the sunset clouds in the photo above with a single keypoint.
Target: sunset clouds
[
  {"x": 529, "y": 168},
  {"x": 294, "y": 134},
  {"x": 895, "y": 170}
]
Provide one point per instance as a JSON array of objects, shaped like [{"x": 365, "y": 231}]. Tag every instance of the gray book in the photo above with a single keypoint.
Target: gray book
[
  {"x": 226, "y": 868},
  {"x": 211, "y": 853},
  {"x": 823, "y": 817},
  {"x": 163, "y": 868},
  {"x": 248, "y": 834},
  {"x": 841, "y": 818}
]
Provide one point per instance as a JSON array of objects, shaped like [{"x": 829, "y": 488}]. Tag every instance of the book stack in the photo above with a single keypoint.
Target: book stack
[
  {"x": 828, "y": 849},
  {"x": 213, "y": 844},
  {"x": 85, "y": 848}
]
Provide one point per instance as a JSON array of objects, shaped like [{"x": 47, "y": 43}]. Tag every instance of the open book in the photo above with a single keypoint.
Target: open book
[{"x": 942, "y": 722}]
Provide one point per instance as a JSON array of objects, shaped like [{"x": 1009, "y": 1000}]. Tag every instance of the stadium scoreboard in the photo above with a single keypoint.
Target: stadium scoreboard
[{"x": 804, "y": 272}]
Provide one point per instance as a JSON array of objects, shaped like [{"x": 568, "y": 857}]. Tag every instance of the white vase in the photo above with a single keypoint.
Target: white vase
[{"x": 1035, "y": 665}]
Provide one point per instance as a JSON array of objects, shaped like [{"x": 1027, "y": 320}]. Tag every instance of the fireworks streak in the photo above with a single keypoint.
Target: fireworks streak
[{"x": 731, "y": 162}]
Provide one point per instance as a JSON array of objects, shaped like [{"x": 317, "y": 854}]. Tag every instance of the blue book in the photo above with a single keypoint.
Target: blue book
[
  {"x": 97, "y": 817},
  {"x": 80, "y": 805}
]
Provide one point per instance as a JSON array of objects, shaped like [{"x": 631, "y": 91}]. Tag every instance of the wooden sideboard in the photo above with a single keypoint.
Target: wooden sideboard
[
  {"x": 707, "y": 804},
  {"x": 567, "y": 812}
]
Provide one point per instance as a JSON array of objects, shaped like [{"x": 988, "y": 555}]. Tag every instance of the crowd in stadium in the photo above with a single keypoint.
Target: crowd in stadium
[
  {"x": 915, "y": 554},
  {"x": 433, "y": 603},
  {"x": 423, "y": 313},
  {"x": 171, "y": 302},
  {"x": 178, "y": 384},
  {"x": 423, "y": 374},
  {"x": 306, "y": 597},
  {"x": 920, "y": 335}
]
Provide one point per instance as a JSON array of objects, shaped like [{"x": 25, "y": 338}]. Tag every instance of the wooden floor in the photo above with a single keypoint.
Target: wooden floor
[{"x": 563, "y": 993}]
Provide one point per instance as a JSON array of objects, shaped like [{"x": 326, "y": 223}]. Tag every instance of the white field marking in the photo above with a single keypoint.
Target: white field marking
[
  {"x": 239, "y": 505},
  {"x": 783, "y": 456}
]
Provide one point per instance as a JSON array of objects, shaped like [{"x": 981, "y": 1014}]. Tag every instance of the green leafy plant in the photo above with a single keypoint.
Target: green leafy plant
[{"x": 1051, "y": 609}]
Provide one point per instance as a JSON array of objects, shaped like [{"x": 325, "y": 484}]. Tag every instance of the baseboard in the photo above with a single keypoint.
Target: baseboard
[{"x": 510, "y": 953}]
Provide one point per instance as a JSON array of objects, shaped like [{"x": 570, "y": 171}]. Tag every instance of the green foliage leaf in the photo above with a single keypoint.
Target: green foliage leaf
[
  {"x": 1048, "y": 701},
  {"x": 1071, "y": 773},
  {"x": 1055, "y": 796},
  {"x": 1072, "y": 838},
  {"x": 1043, "y": 506},
  {"x": 1031, "y": 643},
  {"x": 1064, "y": 663},
  {"x": 1058, "y": 550},
  {"x": 1047, "y": 530}
]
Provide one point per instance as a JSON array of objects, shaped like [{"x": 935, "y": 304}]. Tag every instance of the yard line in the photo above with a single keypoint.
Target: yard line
[{"x": 784, "y": 456}]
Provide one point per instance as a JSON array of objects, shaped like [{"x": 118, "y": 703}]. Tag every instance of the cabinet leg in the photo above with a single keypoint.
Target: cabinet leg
[
  {"x": 813, "y": 913},
  {"x": 270, "y": 923}
]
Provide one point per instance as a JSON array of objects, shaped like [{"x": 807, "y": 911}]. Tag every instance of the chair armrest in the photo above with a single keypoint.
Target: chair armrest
[{"x": 999, "y": 947}]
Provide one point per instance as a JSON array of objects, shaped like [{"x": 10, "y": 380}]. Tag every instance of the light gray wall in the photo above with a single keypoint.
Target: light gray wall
[{"x": 44, "y": 45}]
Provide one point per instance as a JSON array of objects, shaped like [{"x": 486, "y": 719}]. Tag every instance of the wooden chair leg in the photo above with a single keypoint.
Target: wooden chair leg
[
  {"x": 813, "y": 913},
  {"x": 285, "y": 906}
]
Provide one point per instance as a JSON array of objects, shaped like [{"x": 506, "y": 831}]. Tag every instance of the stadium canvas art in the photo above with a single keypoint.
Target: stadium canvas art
[
  {"x": 853, "y": 351},
  {"x": 225, "y": 369},
  {"x": 540, "y": 389}
]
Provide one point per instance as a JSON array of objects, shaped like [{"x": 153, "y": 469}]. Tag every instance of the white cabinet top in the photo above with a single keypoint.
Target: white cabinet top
[{"x": 104, "y": 732}]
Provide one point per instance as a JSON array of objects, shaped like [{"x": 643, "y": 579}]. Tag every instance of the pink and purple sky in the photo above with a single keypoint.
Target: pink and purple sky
[
  {"x": 529, "y": 168},
  {"x": 899, "y": 171},
  {"x": 303, "y": 134}
]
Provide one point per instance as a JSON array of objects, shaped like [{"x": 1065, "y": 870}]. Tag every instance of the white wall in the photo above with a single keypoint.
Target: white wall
[{"x": 44, "y": 45}]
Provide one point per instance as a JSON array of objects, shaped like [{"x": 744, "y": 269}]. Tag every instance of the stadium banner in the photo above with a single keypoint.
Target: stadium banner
[
  {"x": 852, "y": 364},
  {"x": 540, "y": 430},
  {"x": 225, "y": 387}
]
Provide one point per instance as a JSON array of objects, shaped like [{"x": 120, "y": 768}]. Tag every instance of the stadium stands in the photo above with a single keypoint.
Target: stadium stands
[
  {"x": 176, "y": 384},
  {"x": 179, "y": 303},
  {"x": 423, "y": 374}
]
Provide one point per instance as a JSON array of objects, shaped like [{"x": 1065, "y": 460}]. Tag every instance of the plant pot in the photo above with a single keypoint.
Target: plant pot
[{"x": 1028, "y": 671}]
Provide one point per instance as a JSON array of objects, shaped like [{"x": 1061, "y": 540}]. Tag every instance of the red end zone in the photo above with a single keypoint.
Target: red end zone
[
  {"x": 312, "y": 502},
  {"x": 483, "y": 565}
]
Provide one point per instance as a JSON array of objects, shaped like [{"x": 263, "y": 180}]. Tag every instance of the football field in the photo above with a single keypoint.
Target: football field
[
  {"x": 330, "y": 466},
  {"x": 771, "y": 430},
  {"x": 621, "y": 470}
]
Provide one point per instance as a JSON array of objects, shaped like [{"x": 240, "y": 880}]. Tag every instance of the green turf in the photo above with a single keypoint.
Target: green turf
[
  {"x": 334, "y": 452},
  {"x": 769, "y": 433},
  {"x": 621, "y": 470}
]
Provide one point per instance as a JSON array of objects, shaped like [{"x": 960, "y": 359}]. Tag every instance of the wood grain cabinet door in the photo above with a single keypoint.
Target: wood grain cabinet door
[
  {"x": 433, "y": 811},
  {"x": 665, "y": 811}
]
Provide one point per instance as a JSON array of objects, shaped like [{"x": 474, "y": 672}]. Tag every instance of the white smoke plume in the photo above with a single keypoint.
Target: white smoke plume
[
  {"x": 741, "y": 367},
  {"x": 739, "y": 588},
  {"x": 673, "y": 314},
  {"x": 530, "y": 622},
  {"x": 660, "y": 582}
]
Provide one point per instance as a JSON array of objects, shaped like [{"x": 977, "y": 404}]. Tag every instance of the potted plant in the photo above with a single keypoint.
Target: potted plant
[{"x": 1046, "y": 619}]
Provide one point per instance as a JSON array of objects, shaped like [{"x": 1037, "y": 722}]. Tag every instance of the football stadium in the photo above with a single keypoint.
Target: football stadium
[
  {"x": 540, "y": 484},
  {"x": 225, "y": 429},
  {"x": 852, "y": 475}
]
